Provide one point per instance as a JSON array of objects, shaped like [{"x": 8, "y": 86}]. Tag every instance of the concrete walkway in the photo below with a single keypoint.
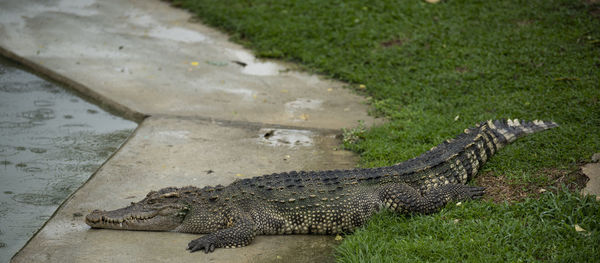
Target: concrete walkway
[
  {"x": 210, "y": 104},
  {"x": 592, "y": 171}
]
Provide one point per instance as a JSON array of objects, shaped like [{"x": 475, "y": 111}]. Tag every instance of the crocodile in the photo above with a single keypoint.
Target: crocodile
[{"x": 319, "y": 202}]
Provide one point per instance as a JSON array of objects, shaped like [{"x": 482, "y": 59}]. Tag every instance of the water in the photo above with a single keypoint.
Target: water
[{"x": 51, "y": 142}]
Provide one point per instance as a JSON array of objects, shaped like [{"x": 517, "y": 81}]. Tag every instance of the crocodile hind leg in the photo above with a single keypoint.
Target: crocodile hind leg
[{"x": 403, "y": 198}]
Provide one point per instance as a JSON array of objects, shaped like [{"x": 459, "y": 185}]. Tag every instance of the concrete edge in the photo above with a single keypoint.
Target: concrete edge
[
  {"x": 135, "y": 131},
  {"x": 87, "y": 93}
]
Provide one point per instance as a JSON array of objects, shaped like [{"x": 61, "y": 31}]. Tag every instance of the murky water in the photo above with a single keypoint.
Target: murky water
[{"x": 51, "y": 142}]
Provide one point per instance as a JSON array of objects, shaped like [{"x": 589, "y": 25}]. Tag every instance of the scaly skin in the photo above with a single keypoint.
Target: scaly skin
[{"x": 319, "y": 202}]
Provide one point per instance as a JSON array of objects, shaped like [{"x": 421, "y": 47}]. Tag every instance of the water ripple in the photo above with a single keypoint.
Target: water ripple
[{"x": 40, "y": 114}]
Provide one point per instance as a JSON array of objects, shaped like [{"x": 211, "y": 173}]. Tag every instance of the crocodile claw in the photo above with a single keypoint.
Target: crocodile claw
[
  {"x": 199, "y": 244},
  {"x": 475, "y": 192}
]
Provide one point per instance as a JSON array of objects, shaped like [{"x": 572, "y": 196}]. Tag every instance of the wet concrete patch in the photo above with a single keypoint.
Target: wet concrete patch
[
  {"x": 150, "y": 161},
  {"x": 155, "y": 29},
  {"x": 44, "y": 156},
  {"x": 252, "y": 66},
  {"x": 285, "y": 137}
]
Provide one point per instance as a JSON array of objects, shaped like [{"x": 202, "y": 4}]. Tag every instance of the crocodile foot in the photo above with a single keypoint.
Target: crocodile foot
[
  {"x": 201, "y": 243},
  {"x": 472, "y": 192}
]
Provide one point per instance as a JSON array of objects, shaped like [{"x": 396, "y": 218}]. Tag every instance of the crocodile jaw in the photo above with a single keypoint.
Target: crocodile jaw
[{"x": 165, "y": 218}]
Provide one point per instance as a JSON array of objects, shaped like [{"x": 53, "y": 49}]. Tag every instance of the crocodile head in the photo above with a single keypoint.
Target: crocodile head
[{"x": 162, "y": 210}]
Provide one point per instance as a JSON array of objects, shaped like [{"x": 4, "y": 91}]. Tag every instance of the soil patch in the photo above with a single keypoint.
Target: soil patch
[
  {"x": 500, "y": 188},
  {"x": 594, "y": 7}
]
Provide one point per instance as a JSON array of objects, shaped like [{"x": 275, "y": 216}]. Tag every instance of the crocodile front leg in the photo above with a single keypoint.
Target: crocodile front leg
[
  {"x": 403, "y": 198},
  {"x": 240, "y": 234}
]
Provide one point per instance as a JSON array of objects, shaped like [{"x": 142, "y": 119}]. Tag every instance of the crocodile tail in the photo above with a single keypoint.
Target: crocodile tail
[
  {"x": 486, "y": 139},
  {"x": 457, "y": 160},
  {"x": 510, "y": 130}
]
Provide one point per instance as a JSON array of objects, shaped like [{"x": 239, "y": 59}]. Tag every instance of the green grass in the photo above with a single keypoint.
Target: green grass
[
  {"x": 535, "y": 230},
  {"x": 423, "y": 65}
]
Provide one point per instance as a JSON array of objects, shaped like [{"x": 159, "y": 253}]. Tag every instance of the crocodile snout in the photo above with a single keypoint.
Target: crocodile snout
[{"x": 94, "y": 217}]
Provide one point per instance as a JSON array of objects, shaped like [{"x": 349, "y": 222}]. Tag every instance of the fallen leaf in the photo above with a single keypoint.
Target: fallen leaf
[{"x": 579, "y": 229}]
